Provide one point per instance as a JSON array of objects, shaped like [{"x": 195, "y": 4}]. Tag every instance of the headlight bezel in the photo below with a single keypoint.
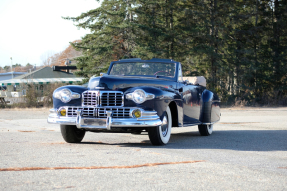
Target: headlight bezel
[
  {"x": 135, "y": 94},
  {"x": 58, "y": 94}
]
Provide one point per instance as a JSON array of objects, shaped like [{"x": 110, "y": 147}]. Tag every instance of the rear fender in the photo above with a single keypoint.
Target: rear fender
[{"x": 210, "y": 107}]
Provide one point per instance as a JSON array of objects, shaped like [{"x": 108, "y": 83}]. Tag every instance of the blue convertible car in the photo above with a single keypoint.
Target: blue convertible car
[{"x": 135, "y": 96}]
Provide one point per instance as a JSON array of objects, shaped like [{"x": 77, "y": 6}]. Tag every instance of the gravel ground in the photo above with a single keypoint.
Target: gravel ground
[{"x": 247, "y": 151}]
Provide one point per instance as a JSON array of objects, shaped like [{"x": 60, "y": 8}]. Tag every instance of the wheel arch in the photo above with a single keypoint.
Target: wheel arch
[{"x": 174, "y": 113}]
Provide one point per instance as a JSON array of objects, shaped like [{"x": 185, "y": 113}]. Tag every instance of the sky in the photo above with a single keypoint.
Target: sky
[{"x": 32, "y": 29}]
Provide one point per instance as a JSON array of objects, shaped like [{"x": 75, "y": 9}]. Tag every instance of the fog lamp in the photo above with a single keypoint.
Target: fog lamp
[
  {"x": 137, "y": 113},
  {"x": 63, "y": 112}
]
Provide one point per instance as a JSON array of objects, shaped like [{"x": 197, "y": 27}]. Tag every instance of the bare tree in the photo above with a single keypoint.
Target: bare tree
[
  {"x": 59, "y": 59},
  {"x": 48, "y": 57}
]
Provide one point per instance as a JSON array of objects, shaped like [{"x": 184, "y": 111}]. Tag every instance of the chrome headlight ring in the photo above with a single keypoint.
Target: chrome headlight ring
[
  {"x": 139, "y": 96},
  {"x": 65, "y": 95}
]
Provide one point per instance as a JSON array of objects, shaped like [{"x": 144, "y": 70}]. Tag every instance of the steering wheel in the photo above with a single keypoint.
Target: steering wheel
[{"x": 162, "y": 71}]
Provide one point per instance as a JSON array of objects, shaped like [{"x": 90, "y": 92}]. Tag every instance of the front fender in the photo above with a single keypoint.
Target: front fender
[
  {"x": 163, "y": 97},
  {"x": 74, "y": 102}
]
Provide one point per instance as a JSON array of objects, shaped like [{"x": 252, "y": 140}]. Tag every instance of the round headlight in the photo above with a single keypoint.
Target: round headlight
[
  {"x": 139, "y": 96},
  {"x": 65, "y": 95}
]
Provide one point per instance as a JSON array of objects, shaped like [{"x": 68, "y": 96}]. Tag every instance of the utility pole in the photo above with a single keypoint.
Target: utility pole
[{"x": 11, "y": 67}]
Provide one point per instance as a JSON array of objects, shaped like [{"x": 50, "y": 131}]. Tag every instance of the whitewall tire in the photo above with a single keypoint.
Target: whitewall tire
[
  {"x": 205, "y": 130},
  {"x": 160, "y": 135}
]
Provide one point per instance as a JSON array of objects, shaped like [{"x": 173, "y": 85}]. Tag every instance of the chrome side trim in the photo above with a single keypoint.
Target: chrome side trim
[
  {"x": 209, "y": 123},
  {"x": 191, "y": 124}
]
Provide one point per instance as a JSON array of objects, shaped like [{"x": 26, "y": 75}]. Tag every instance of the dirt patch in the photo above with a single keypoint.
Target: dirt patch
[
  {"x": 71, "y": 187},
  {"x": 283, "y": 167},
  {"x": 26, "y": 131},
  {"x": 96, "y": 167}
]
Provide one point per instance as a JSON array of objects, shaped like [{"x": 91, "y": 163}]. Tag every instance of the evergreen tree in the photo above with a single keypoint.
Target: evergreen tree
[
  {"x": 109, "y": 38},
  {"x": 239, "y": 46}
]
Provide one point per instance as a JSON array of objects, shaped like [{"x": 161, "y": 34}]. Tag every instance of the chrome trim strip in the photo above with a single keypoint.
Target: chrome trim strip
[
  {"x": 191, "y": 124},
  {"x": 149, "y": 113},
  {"x": 61, "y": 120},
  {"x": 209, "y": 123},
  {"x": 109, "y": 123}
]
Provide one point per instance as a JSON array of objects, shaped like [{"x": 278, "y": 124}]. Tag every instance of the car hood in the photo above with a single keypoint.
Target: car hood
[{"x": 124, "y": 82}]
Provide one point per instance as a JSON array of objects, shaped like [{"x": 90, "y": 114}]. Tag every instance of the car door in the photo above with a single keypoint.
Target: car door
[
  {"x": 191, "y": 95},
  {"x": 191, "y": 104}
]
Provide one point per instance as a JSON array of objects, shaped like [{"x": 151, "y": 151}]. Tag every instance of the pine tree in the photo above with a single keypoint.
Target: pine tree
[
  {"x": 239, "y": 46},
  {"x": 109, "y": 37}
]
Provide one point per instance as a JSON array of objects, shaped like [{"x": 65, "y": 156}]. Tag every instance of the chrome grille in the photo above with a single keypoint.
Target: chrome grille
[
  {"x": 71, "y": 111},
  {"x": 99, "y": 112},
  {"x": 111, "y": 99},
  {"x": 102, "y": 98},
  {"x": 90, "y": 98},
  {"x": 117, "y": 112},
  {"x": 89, "y": 112}
]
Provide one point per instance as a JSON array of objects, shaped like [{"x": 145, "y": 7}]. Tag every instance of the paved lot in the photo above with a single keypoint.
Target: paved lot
[{"x": 247, "y": 151}]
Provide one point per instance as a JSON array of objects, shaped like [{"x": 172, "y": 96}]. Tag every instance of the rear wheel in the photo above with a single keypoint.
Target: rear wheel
[
  {"x": 160, "y": 135},
  {"x": 205, "y": 130},
  {"x": 72, "y": 134}
]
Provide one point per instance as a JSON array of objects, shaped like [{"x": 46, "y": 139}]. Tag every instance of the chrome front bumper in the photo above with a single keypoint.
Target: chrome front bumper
[{"x": 148, "y": 119}]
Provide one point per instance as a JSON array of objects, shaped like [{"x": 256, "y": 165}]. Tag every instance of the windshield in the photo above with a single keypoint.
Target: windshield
[{"x": 143, "y": 69}]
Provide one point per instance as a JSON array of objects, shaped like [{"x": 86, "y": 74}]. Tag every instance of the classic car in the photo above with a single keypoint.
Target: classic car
[{"x": 135, "y": 96}]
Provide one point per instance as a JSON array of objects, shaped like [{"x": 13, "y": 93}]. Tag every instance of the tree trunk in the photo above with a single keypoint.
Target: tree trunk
[{"x": 276, "y": 45}]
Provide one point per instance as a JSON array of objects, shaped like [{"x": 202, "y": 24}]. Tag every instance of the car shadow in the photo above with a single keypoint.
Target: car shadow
[{"x": 239, "y": 140}]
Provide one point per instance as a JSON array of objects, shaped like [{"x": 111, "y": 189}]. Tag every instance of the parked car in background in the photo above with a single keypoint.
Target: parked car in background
[
  {"x": 3, "y": 88},
  {"x": 135, "y": 96}
]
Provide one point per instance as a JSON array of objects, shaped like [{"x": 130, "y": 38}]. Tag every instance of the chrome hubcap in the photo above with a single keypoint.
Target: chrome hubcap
[{"x": 164, "y": 126}]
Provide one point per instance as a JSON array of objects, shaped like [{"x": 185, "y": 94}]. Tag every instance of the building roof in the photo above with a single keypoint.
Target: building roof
[
  {"x": 41, "y": 81},
  {"x": 14, "y": 73},
  {"x": 45, "y": 72}
]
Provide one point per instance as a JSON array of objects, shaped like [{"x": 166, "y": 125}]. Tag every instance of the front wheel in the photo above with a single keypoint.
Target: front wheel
[
  {"x": 160, "y": 135},
  {"x": 205, "y": 130},
  {"x": 72, "y": 134}
]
